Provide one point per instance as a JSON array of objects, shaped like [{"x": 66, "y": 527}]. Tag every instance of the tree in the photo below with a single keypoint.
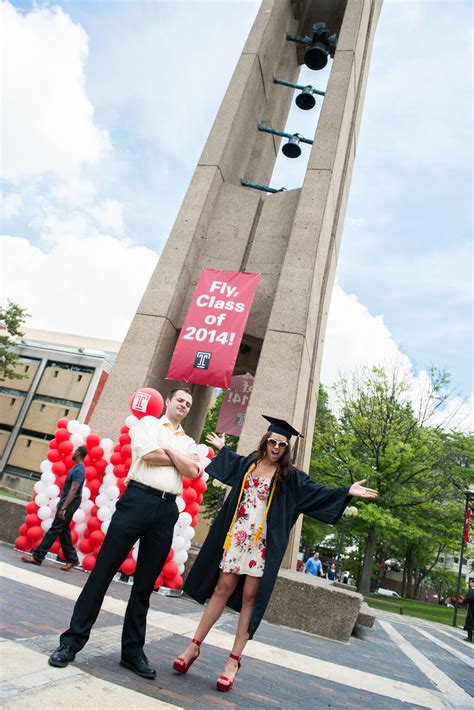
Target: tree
[
  {"x": 380, "y": 436},
  {"x": 11, "y": 319},
  {"x": 215, "y": 492}
]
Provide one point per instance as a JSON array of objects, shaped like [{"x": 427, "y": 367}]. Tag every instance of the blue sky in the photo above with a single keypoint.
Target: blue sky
[{"x": 108, "y": 105}]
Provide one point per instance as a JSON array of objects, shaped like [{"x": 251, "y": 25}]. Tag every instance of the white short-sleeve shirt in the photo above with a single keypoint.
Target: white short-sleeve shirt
[{"x": 149, "y": 435}]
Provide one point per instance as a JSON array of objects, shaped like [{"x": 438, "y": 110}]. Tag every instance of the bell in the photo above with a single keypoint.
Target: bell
[
  {"x": 306, "y": 100},
  {"x": 292, "y": 148},
  {"x": 317, "y": 56}
]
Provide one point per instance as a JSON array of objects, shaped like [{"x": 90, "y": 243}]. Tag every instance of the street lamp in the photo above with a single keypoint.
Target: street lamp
[
  {"x": 350, "y": 512},
  {"x": 469, "y": 493}
]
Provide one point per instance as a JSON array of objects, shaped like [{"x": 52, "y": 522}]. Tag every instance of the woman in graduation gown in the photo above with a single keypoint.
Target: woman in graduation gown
[{"x": 239, "y": 561}]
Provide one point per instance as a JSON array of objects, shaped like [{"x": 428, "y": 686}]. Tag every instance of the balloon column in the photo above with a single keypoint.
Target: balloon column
[{"x": 106, "y": 467}]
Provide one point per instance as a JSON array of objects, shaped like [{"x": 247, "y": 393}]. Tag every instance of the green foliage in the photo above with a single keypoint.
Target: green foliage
[
  {"x": 214, "y": 496},
  {"x": 11, "y": 319},
  {"x": 445, "y": 583}
]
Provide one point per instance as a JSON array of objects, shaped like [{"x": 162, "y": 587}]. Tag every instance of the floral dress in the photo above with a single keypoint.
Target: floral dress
[{"x": 245, "y": 556}]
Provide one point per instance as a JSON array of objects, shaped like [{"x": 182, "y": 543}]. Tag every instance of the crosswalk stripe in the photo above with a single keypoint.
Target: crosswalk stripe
[{"x": 462, "y": 657}]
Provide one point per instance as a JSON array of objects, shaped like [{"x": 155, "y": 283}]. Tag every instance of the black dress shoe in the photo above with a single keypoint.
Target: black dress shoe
[
  {"x": 61, "y": 656},
  {"x": 139, "y": 665}
]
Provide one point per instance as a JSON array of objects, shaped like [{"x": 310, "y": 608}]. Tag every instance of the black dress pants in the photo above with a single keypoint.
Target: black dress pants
[
  {"x": 139, "y": 515},
  {"x": 60, "y": 528}
]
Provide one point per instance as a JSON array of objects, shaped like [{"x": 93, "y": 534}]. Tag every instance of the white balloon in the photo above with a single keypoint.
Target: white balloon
[
  {"x": 188, "y": 533},
  {"x": 44, "y": 512},
  {"x": 180, "y": 569},
  {"x": 205, "y": 462},
  {"x": 131, "y": 420},
  {"x": 46, "y": 524},
  {"x": 184, "y": 520},
  {"x": 109, "y": 470},
  {"x": 102, "y": 500},
  {"x": 53, "y": 503},
  {"x": 188, "y": 544},
  {"x": 80, "y": 556},
  {"x": 46, "y": 465},
  {"x": 85, "y": 430},
  {"x": 73, "y": 426},
  {"x": 41, "y": 499},
  {"x": 48, "y": 477},
  {"x": 180, "y": 557},
  {"x": 180, "y": 503},
  {"x": 202, "y": 450},
  {"x": 109, "y": 480},
  {"x": 80, "y": 528},
  {"x": 52, "y": 490},
  {"x": 77, "y": 440},
  {"x": 112, "y": 492},
  {"x": 205, "y": 477},
  {"x": 87, "y": 505},
  {"x": 104, "y": 514},
  {"x": 40, "y": 487},
  {"x": 79, "y": 516},
  {"x": 105, "y": 526},
  {"x": 86, "y": 494},
  {"x": 178, "y": 543},
  {"x": 106, "y": 444},
  {"x": 135, "y": 552}
]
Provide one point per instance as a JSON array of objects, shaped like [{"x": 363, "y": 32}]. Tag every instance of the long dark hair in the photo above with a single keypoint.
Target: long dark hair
[{"x": 284, "y": 463}]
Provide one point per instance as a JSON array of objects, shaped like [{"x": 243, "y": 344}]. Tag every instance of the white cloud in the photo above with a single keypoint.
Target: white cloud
[
  {"x": 49, "y": 125},
  {"x": 11, "y": 205}
]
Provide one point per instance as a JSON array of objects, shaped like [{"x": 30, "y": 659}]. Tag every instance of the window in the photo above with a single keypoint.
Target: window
[
  {"x": 28, "y": 443},
  {"x": 66, "y": 412},
  {"x": 42, "y": 407},
  {"x": 79, "y": 378},
  {"x": 27, "y": 367},
  {"x": 56, "y": 373},
  {"x": 12, "y": 401}
]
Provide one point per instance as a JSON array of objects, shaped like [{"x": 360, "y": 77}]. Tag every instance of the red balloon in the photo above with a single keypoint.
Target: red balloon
[
  {"x": 126, "y": 451},
  {"x": 93, "y": 511},
  {"x": 22, "y": 543},
  {"x": 32, "y": 519},
  {"x": 23, "y": 529},
  {"x": 146, "y": 402},
  {"x": 159, "y": 582},
  {"x": 175, "y": 583},
  {"x": 59, "y": 468},
  {"x": 194, "y": 521},
  {"x": 94, "y": 486},
  {"x": 96, "y": 538},
  {"x": 186, "y": 482},
  {"x": 189, "y": 495},
  {"x": 31, "y": 507},
  {"x": 65, "y": 447},
  {"x": 55, "y": 547},
  {"x": 121, "y": 485},
  {"x": 92, "y": 440},
  {"x": 85, "y": 547},
  {"x": 62, "y": 424},
  {"x": 94, "y": 524},
  {"x": 124, "y": 429},
  {"x": 54, "y": 455},
  {"x": 210, "y": 452},
  {"x": 88, "y": 461},
  {"x": 86, "y": 534},
  {"x": 91, "y": 473},
  {"x": 96, "y": 453},
  {"x": 169, "y": 571},
  {"x": 169, "y": 555},
  {"x": 193, "y": 509},
  {"x": 118, "y": 447},
  {"x": 62, "y": 435},
  {"x": 60, "y": 481},
  {"x": 74, "y": 537},
  {"x": 128, "y": 567},
  {"x": 199, "y": 485},
  {"x": 68, "y": 461},
  {"x": 199, "y": 499},
  {"x": 116, "y": 459},
  {"x": 34, "y": 533},
  {"x": 120, "y": 471},
  {"x": 124, "y": 439},
  {"x": 128, "y": 463},
  {"x": 53, "y": 444},
  {"x": 88, "y": 563},
  {"x": 100, "y": 465}
]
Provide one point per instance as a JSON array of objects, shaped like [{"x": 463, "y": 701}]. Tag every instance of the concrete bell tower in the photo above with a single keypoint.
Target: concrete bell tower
[{"x": 291, "y": 238}]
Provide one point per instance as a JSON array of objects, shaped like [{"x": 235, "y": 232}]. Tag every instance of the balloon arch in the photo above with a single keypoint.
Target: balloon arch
[{"x": 106, "y": 466}]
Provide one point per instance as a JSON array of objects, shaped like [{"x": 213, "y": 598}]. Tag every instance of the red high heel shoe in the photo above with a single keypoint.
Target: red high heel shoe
[
  {"x": 180, "y": 665},
  {"x": 225, "y": 687}
]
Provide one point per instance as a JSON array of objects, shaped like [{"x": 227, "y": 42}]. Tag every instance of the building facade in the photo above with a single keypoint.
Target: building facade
[{"x": 61, "y": 376}]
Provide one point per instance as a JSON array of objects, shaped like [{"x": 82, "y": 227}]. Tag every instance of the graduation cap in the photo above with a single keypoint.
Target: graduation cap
[{"x": 280, "y": 426}]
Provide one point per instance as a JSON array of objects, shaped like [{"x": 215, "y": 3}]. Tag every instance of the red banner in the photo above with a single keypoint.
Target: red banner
[
  {"x": 209, "y": 341},
  {"x": 234, "y": 405},
  {"x": 467, "y": 520}
]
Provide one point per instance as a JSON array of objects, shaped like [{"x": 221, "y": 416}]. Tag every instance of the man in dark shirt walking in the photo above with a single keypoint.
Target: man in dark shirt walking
[{"x": 68, "y": 504}]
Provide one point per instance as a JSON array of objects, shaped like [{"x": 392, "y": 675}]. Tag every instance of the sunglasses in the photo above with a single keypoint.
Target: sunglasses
[{"x": 275, "y": 442}]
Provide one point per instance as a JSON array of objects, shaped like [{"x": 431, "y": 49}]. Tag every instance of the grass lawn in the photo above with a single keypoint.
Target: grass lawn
[
  {"x": 13, "y": 494},
  {"x": 422, "y": 610}
]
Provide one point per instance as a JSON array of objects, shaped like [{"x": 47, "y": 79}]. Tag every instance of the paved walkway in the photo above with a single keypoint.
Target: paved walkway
[{"x": 400, "y": 663}]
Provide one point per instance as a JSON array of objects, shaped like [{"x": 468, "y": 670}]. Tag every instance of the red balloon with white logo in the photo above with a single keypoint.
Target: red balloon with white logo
[{"x": 146, "y": 402}]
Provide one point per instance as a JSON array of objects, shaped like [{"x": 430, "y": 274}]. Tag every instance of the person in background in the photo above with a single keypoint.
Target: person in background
[
  {"x": 314, "y": 566},
  {"x": 331, "y": 572},
  {"x": 469, "y": 600},
  {"x": 69, "y": 502}
]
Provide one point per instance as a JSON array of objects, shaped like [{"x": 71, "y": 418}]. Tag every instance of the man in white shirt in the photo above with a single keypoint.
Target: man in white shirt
[{"x": 161, "y": 455}]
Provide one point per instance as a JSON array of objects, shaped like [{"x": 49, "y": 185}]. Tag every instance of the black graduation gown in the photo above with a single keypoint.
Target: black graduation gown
[
  {"x": 469, "y": 600},
  {"x": 301, "y": 495}
]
